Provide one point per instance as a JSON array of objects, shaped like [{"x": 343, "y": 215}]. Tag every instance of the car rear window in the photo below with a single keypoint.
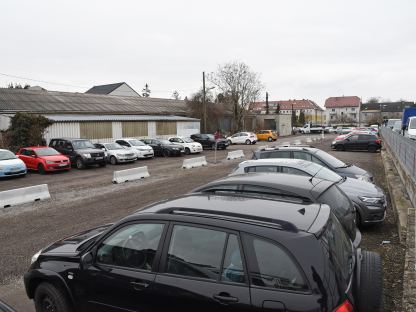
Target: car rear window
[
  {"x": 337, "y": 200},
  {"x": 275, "y": 154}
]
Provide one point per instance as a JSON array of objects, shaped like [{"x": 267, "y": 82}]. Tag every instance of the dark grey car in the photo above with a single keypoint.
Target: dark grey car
[
  {"x": 290, "y": 188},
  {"x": 317, "y": 156},
  {"x": 369, "y": 200}
]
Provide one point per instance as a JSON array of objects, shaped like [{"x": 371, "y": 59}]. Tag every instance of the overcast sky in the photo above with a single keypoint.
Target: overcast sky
[{"x": 302, "y": 48}]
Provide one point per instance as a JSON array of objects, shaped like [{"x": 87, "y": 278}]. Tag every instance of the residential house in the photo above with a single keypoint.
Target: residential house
[
  {"x": 343, "y": 110},
  {"x": 376, "y": 112},
  {"x": 120, "y": 89}
]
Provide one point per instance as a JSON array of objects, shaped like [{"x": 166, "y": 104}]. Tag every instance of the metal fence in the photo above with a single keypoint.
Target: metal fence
[{"x": 402, "y": 148}]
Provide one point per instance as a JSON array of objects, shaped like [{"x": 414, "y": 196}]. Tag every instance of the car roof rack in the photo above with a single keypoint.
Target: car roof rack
[
  {"x": 232, "y": 216},
  {"x": 276, "y": 147}
]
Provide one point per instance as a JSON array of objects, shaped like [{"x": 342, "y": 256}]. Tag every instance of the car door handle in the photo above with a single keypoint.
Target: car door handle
[
  {"x": 225, "y": 298},
  {"x": 139, "y": 285}
]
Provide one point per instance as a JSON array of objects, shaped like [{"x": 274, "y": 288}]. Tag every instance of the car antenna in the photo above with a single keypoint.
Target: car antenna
[{"x": 311, "y": 179}]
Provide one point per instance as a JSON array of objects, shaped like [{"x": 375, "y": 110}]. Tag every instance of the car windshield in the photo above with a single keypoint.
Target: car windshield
[
  {"x": 188, "y": 140},
  {"x": 211, "y": 136},
  {"x": 136, "y": 143},
  {"x": 323, "y": 173},
  {"x": 113, "y": 146},
  {"x": 331, "y": 160},
  {"x": 412, "y": 124},
  {"x": 46, "y": 152},
  {"x": 5, "y": 155},
  {"x": 165, "y": 142},
  {"x": 81, "y": 144}
]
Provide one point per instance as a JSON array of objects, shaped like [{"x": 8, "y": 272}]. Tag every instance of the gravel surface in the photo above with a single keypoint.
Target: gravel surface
[{"x": 86, "y": 198}]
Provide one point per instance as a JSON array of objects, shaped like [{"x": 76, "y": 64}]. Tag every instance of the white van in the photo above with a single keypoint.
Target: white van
[{"x": 411, "y": 128}]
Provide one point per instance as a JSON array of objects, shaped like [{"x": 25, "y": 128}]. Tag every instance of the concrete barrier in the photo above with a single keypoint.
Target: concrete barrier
[
  {"x": 235, "y": 155},
  {"x": 132, "y": 174},
  {"x": 297, "y": 142},
  {"x": 194, "y": 162},
  {"x": 24, "y": 195},
  {"x": 309, "y": 140}
]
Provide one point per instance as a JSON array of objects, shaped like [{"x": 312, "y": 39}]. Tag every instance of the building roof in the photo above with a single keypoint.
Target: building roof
[
  {"x": 387, "y": 107},
  {"x": 106, "y": 89},
  {"x": 260, "y": 107},
  {"x": 63, "y": 118},
  {"x": 54, "y": 102},
  {"x": 342, "y": 101}
]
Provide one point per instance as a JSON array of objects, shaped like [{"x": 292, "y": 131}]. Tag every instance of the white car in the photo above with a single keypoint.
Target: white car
[
  {"x": 115, "y": 153},
  {"x": 191, "y": 147},
  {"x": 142, "y": 150},
  {"x": 242, "y": 138},
  {"x": 10, "y": 165}
]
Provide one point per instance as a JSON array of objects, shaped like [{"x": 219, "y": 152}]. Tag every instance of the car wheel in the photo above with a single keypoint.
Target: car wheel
[
  {"x": 41, "y": 169},
  {"x": 79, "y": 163},
  {"x": 372, "y": 149},
  {"x": 248, "y": 142},
  {"x": 269, "y": 139},
  {"x": 49, "y": 298},
  {"x": 339, "y": 148},
  {"x": 370, "y": 292},
  {"x": 113, "y": 160},
  {"x": 229, "y": 142},
  {"x": 166, "y": 153},
  {"x": 187, "y": 151}
]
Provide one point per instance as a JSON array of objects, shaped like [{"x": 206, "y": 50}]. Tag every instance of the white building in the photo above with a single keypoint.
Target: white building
[{"x": 342, "y": 110}]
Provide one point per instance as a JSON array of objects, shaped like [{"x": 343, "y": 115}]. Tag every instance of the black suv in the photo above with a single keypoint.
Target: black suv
[
  {"x": 208, "y": 141},
  {"x": 209, "y": 253},
  {"x": 292, "y": 188},
  {"x": 317, "y": 156},
  {"x": 164, "y": 148},
  {"x": 358, "y": 142},
  {"x": 81, "y": 152}
]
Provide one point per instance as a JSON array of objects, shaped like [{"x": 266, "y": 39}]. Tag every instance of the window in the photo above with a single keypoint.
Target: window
[
  {"x": 222, "y": 188},
  {"x": 353, "y": 138},
  {"x": 337, "y": 200},
  {"x": 196, "y": 252},
  {"x": 272, "y": 169},
  {"x": 275, "y": 154},
  {"x": 133, "y": 246},
  {"x": 233, "y": 270},
  {"x": 302, "y": 155},
  {"x": 353, "y": 109},
  {"x": 290, "y": 170},
  {"x": 333, "y": 110},
  {"x": 272, "y": 267},
  {"x": 53, "y": 143},
  {"x": 121, "y": 142},
  {"x": 318, "y": 161}
]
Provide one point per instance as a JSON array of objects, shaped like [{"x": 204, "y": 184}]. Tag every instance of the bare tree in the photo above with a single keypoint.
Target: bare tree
[
  {"x": 146, "y": 91},
  {"x": 373, "y": 100},
  {"x": 175, "y": 95},
  {"x": 240, "y": 84}
]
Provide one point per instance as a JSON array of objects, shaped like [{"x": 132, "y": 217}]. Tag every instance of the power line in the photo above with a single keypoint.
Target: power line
[{"x": 48, "y": 82}]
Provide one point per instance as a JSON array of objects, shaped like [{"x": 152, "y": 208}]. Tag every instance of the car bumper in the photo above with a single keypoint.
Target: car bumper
[
  {"x": 126, "y": 159},
  {"x": 194, "y": 150},
  {"x": 145, "y": 154},
  {"x": 94, "y": 160},
  {"x": 176, "y": 152},
  {"x": 15, "y": 173},
  {"x": 373, "y": 214},
  {"x": 58, "y": 167}
]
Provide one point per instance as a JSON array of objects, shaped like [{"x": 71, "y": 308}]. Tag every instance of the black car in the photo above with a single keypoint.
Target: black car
[
  {"x": 292, "y": 188},
  {"x": 164, "y": 148},
  {"x": 314, "y": 155},
  {"x": 208, "y": 141},
  {"x": 81, "y": 152},
  {"x": 210, "y": 253},
  {"x": 358, "y": 142}
]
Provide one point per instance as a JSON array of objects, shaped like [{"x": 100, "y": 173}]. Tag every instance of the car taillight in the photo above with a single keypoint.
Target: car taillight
[
  {"x": 346, "y": 306},
  {"x": 378, "y": 141}
]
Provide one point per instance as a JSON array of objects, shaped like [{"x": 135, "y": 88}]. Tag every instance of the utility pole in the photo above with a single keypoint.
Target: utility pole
[
  {"x": 267, "y": 103},
  {"x": 204, "y": 104}
]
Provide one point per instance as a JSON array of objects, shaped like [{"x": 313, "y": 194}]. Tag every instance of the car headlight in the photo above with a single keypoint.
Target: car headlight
[
  {"x": 370, "y": 200},
  {"x": 119, "y": 155},
  {"x": 362, "y": 178},
  {"x": 50, "y": 162},
  {"x": 87, "y": 155},
  {"x": 35, "y": 257}
]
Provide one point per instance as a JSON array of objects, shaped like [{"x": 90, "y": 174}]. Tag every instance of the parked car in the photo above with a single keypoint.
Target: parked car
[
  {"x": 11, "y": 165},
  {"x": 208, "y": 141},
  {"x": 242, "y": 138},
  {"x": 358, "y": 142},
  {"x": 44, "y": 159},
  {"x": 115, "y": 153},
  {"x": 5, "y": 308},
  {"x": 290, "y": 188},
  {"x": 142, "y": 150},
  {"x": 369, "y": 200},
  {"x": 210, "y": 253},
  {"x": 411, "y": 129},
  {"x": 266, "y": 135},
  {"x": 397, "y": 126},
  {"x": 81, "y": 152},
  {"x": 344, "y": 130},
  {"x": 317, "y": 156},
  {"x": 191, "y": 147},
  {"x": 164, "y": 148}
]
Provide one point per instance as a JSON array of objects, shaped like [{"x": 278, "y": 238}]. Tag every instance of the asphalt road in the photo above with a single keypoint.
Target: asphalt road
[{"x": 86, "y": 198}]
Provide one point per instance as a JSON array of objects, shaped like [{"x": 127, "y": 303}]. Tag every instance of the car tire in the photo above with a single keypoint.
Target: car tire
[
  {"x": 372, "y": 149},
  {"x": 370, "y": 292},
  {"x": 248, "y": 142},
  {"x": 113, "y": 160},
  {"x": 339, "y": 148},
  {"x": 50, "y": 298},
  {"x": 41, "y": 169},
  {"x": 166, "y": 153},
  {"x": 187, "y": 151},
  {"x": 79, "y": 163},
  {"x": 269, "y": 139}
]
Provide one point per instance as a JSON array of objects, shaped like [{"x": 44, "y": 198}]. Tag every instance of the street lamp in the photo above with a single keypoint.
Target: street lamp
[{"x": 204, "y": 103}]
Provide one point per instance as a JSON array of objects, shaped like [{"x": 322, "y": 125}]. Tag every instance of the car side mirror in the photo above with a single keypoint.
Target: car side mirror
[{"x": 87, "y": 260}]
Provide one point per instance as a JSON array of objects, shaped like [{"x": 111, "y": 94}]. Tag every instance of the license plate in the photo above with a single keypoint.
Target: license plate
[
  {"x": 98, "y": 158},
  {"x": 62, "y": 165}
]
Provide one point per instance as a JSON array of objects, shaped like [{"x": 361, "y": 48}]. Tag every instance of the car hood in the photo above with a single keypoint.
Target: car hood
[
  {"x": 142, "y": 148},
  {"x": 355, "y": 187},
  {"x": 54, "y": 157},
  {"x": 89, "y": 150},
  {"x": 12, "y": 162},
  {"x": 353, "y": 171},
  {"x": 172, "y": 146},
  {"x": 120, "y": 151},
  {"x": 70, "y": 245}
]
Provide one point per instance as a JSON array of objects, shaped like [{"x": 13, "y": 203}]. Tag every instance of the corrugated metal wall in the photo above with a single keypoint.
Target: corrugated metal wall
[
  {"x": 134, "y": 129},
  {"x": 62, "y": 130},
  {"x": 96, "y": 129},
  {"x": 165, "y": 127},
  {"x": 186, "y": 128},
  {"x": 4, "y": 122}
]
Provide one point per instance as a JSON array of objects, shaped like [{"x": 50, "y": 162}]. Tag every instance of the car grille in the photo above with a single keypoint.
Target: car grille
[
  {"x": 14, "y": 172},
  {"x": 61, "y": 161},
  {"x": 129, "y": 155},
  {"x": 97, "y": 154}
]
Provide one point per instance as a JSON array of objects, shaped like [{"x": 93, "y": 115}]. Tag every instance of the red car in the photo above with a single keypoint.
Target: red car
[{"x": 43, "y": 159}]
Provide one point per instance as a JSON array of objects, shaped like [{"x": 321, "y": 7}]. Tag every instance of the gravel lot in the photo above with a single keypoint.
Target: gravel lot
[{"x": 86, "y": 198}]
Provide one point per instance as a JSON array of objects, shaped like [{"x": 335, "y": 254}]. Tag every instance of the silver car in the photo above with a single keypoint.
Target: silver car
[
  {"x": 369, "y": 200},
  {"x": 142, "y": 150},
  {"x": 115, "y": 153}
]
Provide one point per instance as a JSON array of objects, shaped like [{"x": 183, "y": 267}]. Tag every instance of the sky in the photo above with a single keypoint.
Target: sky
[{"x": 303, "y": 49}]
